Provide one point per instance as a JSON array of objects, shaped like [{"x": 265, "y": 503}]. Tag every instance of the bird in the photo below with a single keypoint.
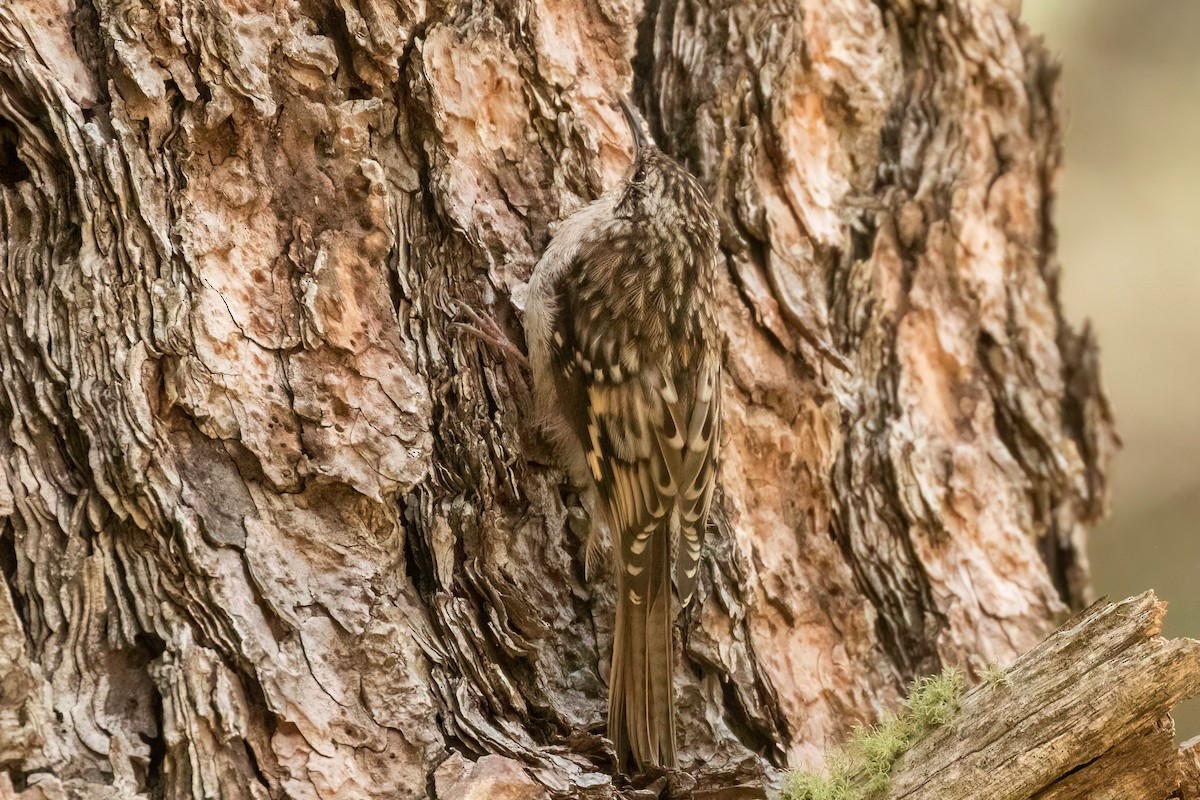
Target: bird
[{"x": 625, "y": 353}]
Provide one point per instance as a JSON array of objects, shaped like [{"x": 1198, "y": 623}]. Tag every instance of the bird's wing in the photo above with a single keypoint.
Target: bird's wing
[
  {"x": 648, "y": 420},
  {"x": 698, "y": 472}
]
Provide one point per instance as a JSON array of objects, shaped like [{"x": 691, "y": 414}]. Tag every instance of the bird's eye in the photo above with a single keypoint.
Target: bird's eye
[{"x": 640, "y": 175}]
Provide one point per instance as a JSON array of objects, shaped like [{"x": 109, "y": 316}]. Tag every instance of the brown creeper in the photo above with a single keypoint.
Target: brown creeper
[{"x": 626, "y": 357}]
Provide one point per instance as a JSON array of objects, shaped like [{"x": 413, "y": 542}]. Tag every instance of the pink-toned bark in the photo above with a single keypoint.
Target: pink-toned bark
[{"x": 273, "y": 525}]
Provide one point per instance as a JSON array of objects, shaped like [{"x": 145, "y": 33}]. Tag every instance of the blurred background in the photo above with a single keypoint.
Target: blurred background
[{"x": 1129, "y": 228}]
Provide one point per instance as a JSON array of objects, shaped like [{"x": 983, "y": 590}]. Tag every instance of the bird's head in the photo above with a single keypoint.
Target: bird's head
[{"x": 654, "y": 186}]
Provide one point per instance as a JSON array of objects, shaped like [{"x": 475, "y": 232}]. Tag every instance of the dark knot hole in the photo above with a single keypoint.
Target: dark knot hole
[{"x": 12, "y": 168}]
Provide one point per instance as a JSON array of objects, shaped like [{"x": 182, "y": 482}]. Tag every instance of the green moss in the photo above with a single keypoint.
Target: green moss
[
  {"x": 863, "y": 770},
  {"x": 810, "y": 786},
  {"x": 996, "y": 676},
  {"x": 933, "y": 700}
]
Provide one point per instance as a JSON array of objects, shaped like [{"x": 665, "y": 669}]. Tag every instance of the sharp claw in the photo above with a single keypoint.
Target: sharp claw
[{"x": 487, "y": 331}]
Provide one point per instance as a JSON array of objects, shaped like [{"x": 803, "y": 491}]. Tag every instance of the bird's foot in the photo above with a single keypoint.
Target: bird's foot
[{"x": 487, "y": 331}]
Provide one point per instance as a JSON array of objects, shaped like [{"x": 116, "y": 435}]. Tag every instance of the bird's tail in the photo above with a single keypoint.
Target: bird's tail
[{"x": 641, "y": 695}]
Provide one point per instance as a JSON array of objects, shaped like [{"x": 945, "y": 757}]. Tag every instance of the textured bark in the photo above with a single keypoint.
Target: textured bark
[{"x": 271, "y": 525}]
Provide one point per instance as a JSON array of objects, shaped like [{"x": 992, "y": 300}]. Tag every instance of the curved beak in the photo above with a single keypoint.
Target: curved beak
[{"x": 640, "y": 142}]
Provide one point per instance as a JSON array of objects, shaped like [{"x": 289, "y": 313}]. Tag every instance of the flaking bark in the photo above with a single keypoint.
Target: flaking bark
[{"x": 272, "y": 525}]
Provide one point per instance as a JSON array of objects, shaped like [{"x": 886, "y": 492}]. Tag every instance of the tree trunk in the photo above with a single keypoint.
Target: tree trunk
[{"x": 273, "y": 524}]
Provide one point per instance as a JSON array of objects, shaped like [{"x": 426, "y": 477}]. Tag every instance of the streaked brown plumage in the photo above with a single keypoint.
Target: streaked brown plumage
[{"x": 626, "y": 357}]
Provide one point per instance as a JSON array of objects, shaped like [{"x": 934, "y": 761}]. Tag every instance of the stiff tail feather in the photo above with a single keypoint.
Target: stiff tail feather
[{"x": 641, "y": 695}]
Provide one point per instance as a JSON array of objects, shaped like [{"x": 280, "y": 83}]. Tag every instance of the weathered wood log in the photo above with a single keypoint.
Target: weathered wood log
[
  {"x": 1085, "y": 714},
  {"x": 1189, "y": 767}
]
